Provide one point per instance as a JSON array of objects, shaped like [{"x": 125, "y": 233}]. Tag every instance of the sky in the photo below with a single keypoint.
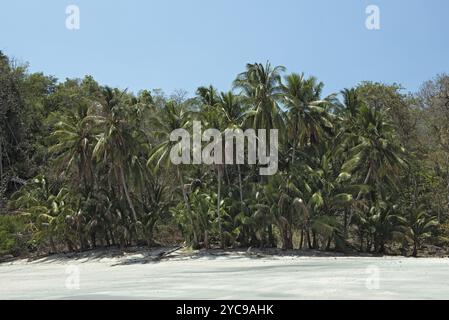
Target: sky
[{"x": 183, "y": 44}]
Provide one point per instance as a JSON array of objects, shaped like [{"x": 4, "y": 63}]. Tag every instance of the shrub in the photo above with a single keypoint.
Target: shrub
[{"x": 11, "y": 239}]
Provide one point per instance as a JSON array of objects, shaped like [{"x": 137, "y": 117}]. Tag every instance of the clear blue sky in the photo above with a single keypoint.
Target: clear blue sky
[{"x": 182, "y": 44}]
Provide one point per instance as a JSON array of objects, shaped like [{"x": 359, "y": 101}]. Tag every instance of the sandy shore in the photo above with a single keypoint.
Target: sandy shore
[{"x": 219, "y": 275}]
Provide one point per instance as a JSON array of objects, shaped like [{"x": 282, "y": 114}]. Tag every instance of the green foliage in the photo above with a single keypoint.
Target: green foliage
[
  {"x": 83, "y": 165},
  {"x": 11, "y": 237}
]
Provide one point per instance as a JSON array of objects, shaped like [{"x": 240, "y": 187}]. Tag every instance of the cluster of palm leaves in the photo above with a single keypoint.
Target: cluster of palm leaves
[{"x": 337, "y": 188}]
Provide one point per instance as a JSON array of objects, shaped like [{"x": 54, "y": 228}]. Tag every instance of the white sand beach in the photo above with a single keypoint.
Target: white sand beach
[{"x": 224, "y": 276}]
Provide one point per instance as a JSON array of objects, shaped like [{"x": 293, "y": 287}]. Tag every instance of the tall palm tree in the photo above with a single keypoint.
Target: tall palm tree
[
  {"x": 172, "y": 117},
  {"x": 261, "y": 89},
  {"x": 75, "y": 137},
  {"x": 233, "y": 111},
  {"x": 376, "y": 151},
  {"x": 117, "y": 143},
  {"x": 371, "y": 150},
  {"x": 208, "y": 95},
  {"x": 307, "y": 116},
  {"x": 210, "y": 113}
]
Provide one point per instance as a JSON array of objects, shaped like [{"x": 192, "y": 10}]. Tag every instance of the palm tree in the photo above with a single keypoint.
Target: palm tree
[
  {"x": 233, "y": 112},
  {"x": 264, "y": 214},
  {"x": 261, "y": 89},
  {"x": 210, "y": 113},
  {"x": 75, "y": 136},
  {"x": 307, "y": 117},
  {"x": 117, "y": 144},
  {"x": 368, "y": 142},
  {"x": 376, "y": 151},
  {"x": 172, "y": 117},
  {"x": 156, "y": 200},
  {"x": 208, "y": 96},
  {"x": 383, "y": 221},
  {"x": 49, "y": 213},
  {"x": 417, "y": 227}
]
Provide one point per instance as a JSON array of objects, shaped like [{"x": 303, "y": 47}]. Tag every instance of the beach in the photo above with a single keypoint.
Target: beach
[{"x": 234, "y": 275}]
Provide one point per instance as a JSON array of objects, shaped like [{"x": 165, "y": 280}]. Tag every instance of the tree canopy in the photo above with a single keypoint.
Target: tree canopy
[{"x": 85, "y": 165}]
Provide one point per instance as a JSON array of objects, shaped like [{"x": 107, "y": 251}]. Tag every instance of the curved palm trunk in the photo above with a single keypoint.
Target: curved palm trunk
[
  {"x": 359, "y": 196},
  {"x": 368, "y": 176}
]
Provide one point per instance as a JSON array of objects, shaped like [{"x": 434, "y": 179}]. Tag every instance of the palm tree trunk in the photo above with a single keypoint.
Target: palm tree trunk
[
  {"x": 52, "y": 245},
  {"x": 106, "y": 238},
  {"x": 271, "y": 242},
  {"x": 206, "y": 239},
  {"x": 227, "y": 175},
  {"x": 415, "y": 249},
  {"x": 290, "y": 238},
  {"x": 125, "y": 189},
  {"x": 447, "y": 174},
  {"x": 1, "y": 161},
  {"x": 368, "y": 175},
  {"x": 328, "y": 245},
  {"x": 361, "y": 241},
  {"x": 345, "y": 226},
  {"x": 309, "y": 242},
  {"x": 218, "y": 207},
  {"x": 112, "y": 236},
  {"x": 240, "y": 185},
  {"x": 149, "y": 235},
  {"x": 359, "y": 196},
  {"x": 189, "y": 211},
  {"x": 69, "y": 245},
  {"x": 93, "y": 239}
]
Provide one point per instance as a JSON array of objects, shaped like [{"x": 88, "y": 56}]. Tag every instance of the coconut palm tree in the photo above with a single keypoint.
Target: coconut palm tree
[
  {"x": 234, "y": 116},
  {"x": 376, "y": 152},
  {"x": 74, "y": 140},
  {"x": 117, "y": 144},
  {"x": 174, "y": 116},
  {"x": 210, "y": 113},
  {"x": 307, "y": 117},
  {"x": 417, "y": 226},
  {"x": 261, "y": 89}
]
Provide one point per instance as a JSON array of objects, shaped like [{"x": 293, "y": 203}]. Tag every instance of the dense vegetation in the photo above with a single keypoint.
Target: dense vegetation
[{"x": 82, "y": 165}]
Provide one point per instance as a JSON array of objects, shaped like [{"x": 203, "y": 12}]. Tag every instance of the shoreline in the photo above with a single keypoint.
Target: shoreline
[{"x": 148, "y": 255}]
